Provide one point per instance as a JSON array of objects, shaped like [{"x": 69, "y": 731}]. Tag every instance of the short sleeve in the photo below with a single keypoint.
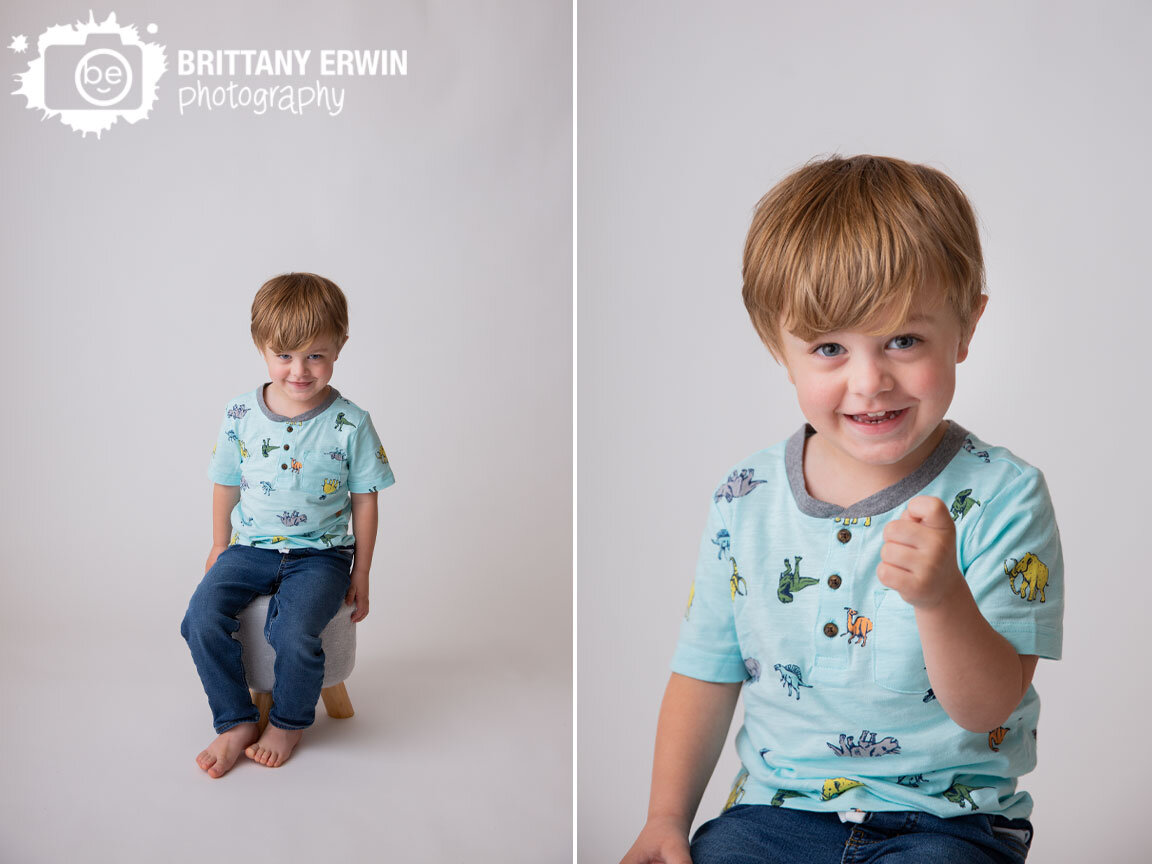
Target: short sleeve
[
  {"x": 1012, "y": 560},
  {"x": 225, "y": 465},
  {"x": 368, "y": 468},
  {"x": 708, "y": 647}
]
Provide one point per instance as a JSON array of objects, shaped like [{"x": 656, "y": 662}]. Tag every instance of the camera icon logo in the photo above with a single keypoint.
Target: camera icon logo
[
  {"x": 94, "y": 74},
  {"x": 102, "y": 73}
]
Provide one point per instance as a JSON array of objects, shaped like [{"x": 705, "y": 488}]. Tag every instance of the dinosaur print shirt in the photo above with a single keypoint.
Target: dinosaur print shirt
[
  {"x": 295, "y": 474},
  {"x": 839, "y": 713}
]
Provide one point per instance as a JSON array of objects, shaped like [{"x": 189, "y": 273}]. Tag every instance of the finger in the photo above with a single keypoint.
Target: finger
[
  {"x": 891, "y": 576},
  {"x": 897, "y": 555},
  {"x": 906, "y": 532},
  {"x": 929, "y": 510}
]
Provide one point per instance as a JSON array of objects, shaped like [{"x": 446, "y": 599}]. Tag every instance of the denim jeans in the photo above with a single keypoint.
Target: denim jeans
[
  {"x": 762, "y": 834},
  {"x": 307, "y": 587}
]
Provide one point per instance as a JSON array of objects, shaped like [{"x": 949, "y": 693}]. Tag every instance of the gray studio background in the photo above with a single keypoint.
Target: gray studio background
[
  {"x": 441, "y": 203},
  {"x": 688, "y": 113}
]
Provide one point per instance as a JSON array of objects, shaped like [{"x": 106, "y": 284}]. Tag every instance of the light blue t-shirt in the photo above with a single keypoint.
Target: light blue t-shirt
[
  {"x": 838, "y": 709},
  {"x": 295, "y": 474}
]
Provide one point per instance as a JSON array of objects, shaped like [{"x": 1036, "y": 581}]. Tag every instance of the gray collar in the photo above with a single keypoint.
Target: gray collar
[
  {"x": 333, "y": 395},
  {"x": 885, "y": 499}
]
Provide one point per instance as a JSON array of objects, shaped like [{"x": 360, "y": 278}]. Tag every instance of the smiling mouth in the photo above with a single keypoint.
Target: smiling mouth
[{"x": 876, "y": 417}]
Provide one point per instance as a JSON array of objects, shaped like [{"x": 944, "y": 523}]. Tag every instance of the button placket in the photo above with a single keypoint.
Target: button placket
[{"x": 842, "y": 553}]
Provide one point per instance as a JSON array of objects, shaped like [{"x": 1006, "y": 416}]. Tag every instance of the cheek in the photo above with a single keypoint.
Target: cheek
[
  {"x": 816, "y": 394},
  {"x": 937, "y": 381}
]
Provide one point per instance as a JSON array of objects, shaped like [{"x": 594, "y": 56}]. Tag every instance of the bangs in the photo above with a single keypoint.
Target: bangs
[
  {"x": 848, "y": 244},
  {"x": 294, "y": 311}
]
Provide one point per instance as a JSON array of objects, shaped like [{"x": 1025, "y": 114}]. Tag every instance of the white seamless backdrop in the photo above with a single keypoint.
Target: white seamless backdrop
[
  {"x": 441, "y": 203},
  {"x": 688, "y": 113}
]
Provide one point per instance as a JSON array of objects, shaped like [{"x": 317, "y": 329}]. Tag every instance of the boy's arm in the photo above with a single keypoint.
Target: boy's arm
[
  {"x": 694, "y": 720},
  {"x": 364, "y": 522},
  {"x": 224, "y": 499},
  {"x": 976, "y": 674}
]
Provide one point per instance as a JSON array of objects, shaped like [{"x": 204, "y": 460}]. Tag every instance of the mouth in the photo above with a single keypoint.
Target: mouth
[
  {"x": 301, "y": 385},
  {"x": 877, "y": 418}
]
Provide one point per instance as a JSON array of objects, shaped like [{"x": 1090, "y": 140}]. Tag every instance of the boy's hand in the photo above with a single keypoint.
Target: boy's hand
[
  {"x": 212, "y": 556},
  {"x": 918, "y": 558},
  {"x": 358, "y": 595},
  {"x": 661, "y": 842}
]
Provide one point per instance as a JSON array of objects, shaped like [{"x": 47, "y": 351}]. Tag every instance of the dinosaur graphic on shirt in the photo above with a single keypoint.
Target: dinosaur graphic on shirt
[
  {"x": 791, "y": 679},
  {"x": 381, "y": 455},
  {"x": 996, "y": 737},
  {"x": 971, "y": 448},
  {"x": 868, "y": 745},
  {"x": 962, "y": 504},
  {"x": 837, "y": 786},
  {"x": 336, "y": 454},
  {"x": 752, "y": 667},
  {"x": 724, "y": 540},
  {"x": 737, "y": 793},
  {"x": 960, "y": 794},
  {"x": 783, "y": 795},
  {"x": 266, "y": 487},
  {"x": 342, "y": 421},
  {"x": 267, "y": 447},
  {"x": 738, "y": 484},
  {"x": 237, "y": 411},
  {"x": 330, "y": 486},
  {"x": 292, "y": 519},
  {"x": 737, "y": 583},
  {"x": 791, "y": 580}
]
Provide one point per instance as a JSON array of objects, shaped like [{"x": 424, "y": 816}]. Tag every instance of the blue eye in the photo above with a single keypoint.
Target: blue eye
[
  {"x": 903, "y": 343},
  {"x": 830, "y": 349},
  {"x": 284, "y": 356},
  {"x": 315, "y": 356}
]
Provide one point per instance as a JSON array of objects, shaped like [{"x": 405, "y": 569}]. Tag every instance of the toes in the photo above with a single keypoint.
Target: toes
[{"x": 206, "y": 760}]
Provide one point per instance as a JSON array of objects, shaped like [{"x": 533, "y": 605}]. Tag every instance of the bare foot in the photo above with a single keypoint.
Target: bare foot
[
  {"x": 222, "y": 753},
  {"x": 274, "y": 746}
]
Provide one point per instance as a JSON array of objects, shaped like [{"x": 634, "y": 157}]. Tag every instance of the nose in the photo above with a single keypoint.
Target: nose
[
  {"x": 299, "y": 367},
  {"x": 869, "y": 376}
]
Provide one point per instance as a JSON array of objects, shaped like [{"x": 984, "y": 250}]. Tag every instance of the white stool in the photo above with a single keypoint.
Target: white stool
[{"x": 338, "y": 640}]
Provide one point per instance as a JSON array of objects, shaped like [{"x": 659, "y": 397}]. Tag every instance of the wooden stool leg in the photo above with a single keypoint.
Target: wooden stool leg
[
  {"x": 264, "y": 703},
  {"x": 336, "y": 701}
]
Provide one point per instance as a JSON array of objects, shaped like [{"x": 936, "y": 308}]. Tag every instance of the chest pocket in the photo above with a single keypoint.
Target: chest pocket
[
  {"x": 895, "y": 642},
  {"x": 322, "y": 474}
]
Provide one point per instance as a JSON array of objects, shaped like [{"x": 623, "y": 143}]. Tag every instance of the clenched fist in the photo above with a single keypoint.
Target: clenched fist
[{"x": 918, "y": 558}]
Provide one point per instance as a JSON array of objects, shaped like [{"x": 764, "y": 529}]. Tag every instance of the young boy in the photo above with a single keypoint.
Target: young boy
[
  {"x": 880, "y": 585},
  {"x": 292, "y": 459}
]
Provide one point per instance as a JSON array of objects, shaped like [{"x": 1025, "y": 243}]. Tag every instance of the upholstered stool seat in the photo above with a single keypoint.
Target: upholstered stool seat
[{"x": 338, "y": 640}]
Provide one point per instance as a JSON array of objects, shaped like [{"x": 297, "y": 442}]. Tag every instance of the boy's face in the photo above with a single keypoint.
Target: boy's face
[
  {"x": 300, "y": 378},
  {"x": 908, "y": 374}
]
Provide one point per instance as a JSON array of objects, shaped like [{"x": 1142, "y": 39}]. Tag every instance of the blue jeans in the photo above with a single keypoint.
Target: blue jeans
[
  {"x": 307, "y": 587},
  {"x": 762, "y": 834}
]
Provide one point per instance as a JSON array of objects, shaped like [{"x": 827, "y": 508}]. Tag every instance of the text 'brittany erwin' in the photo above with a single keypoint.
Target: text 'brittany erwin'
[{"x": 252, "y": 61}]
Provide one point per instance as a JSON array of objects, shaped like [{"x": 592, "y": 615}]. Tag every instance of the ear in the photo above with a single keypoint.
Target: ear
[{"x": 966, "y": 339}]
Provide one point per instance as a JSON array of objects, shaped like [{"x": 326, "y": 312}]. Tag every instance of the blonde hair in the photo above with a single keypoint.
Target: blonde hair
[
  {"x": 845, "y": 244},
  {"x": 293, "y": 310}
]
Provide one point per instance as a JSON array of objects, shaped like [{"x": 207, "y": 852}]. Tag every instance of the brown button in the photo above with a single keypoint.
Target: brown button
[
  {"x": 285, "y": 446},
  {"x": 282, "y": 465},
  {"x": 830, "y": 629},
  {"x": 833, "y": 581},
  {"x": 289, "y": 428},
  {"x": 843, "y": 535}
]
